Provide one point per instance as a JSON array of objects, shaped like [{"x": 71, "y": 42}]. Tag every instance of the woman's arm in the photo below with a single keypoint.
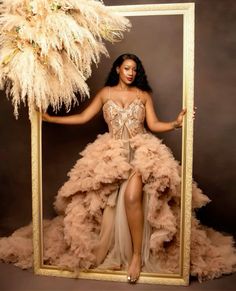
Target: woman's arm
[
  {"x": 82, "y": 117},
  {"x": 156, "y": 125}
]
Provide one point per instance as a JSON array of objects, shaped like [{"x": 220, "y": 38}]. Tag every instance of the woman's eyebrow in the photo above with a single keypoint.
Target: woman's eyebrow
[{"x": 130, "y": 66}]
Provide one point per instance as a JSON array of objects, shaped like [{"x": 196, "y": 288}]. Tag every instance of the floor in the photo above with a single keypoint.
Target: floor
[{"x": 15, "y": 279}]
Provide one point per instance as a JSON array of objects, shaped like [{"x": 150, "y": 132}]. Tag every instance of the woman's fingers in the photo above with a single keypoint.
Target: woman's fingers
[
  {"x": 183, "y": 112},
  {"x": 194, "y": 112},
  {"x": 45, "y": 116}
]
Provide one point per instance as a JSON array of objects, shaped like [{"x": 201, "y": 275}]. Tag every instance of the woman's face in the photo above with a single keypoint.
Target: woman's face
[{"x": 127, "y": 71}]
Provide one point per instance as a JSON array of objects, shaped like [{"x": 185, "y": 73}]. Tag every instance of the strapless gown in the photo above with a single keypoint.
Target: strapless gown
[{"x": 91, "y": 212}]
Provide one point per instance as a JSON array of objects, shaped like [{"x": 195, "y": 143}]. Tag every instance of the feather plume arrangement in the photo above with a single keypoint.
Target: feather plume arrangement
[{"x": 47, "y": 48}]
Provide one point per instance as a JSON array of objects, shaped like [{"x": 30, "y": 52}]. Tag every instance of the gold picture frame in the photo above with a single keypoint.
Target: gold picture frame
[{"x": 187, "y": 11}]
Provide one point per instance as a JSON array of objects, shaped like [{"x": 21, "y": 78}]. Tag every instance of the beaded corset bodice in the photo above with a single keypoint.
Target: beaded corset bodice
[{"x": 124, "y": 123}]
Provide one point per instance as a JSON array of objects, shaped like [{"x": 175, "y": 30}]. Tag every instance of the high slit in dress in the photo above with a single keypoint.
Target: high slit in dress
[{"x": 91, "y": 210}]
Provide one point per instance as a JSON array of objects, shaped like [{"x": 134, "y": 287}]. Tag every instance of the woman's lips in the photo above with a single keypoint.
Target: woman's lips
[{"x": 130, "y": 79}]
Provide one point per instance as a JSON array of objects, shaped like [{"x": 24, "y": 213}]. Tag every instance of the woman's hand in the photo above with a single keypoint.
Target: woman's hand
[
  {"x": 46, "y": 117},
  {"x": 179, "y": 120}
]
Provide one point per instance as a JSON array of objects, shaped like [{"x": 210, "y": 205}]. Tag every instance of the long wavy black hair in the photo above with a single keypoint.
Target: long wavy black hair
[{"x": 140, "y": 80}]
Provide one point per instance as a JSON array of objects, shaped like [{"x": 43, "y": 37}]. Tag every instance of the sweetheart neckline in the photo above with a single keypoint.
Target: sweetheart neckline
[{"x": 123, "y": 108}]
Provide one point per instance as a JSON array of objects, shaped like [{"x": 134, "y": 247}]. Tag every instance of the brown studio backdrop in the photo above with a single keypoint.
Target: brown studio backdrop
[{"x": 214, "y": 139}]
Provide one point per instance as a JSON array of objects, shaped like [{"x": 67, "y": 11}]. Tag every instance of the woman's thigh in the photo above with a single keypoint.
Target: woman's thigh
[{"x": 133, "y": 192}]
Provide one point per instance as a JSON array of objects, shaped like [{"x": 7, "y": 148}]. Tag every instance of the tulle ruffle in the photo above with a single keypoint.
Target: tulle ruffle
[{"x": 94, "y": 183}]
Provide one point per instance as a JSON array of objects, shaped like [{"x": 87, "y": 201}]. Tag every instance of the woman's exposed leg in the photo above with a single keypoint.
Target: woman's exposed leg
[{"x": 134, "y": 211}]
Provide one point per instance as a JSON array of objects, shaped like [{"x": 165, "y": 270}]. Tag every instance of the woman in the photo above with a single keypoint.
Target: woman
[
  {"x": 120, "y": 208},
  {"x": 126, "y": 90}
]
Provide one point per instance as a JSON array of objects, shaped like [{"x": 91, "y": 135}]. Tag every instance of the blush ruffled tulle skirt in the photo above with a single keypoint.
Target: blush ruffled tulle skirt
[{"x": 91, "y": 215}]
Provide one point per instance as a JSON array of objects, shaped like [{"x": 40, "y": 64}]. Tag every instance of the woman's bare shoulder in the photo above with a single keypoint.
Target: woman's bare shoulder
[
  {"x": 144, "y": 96},
  {"x": 107, "y": 92},
  {"x": 103, "y": 94}
]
